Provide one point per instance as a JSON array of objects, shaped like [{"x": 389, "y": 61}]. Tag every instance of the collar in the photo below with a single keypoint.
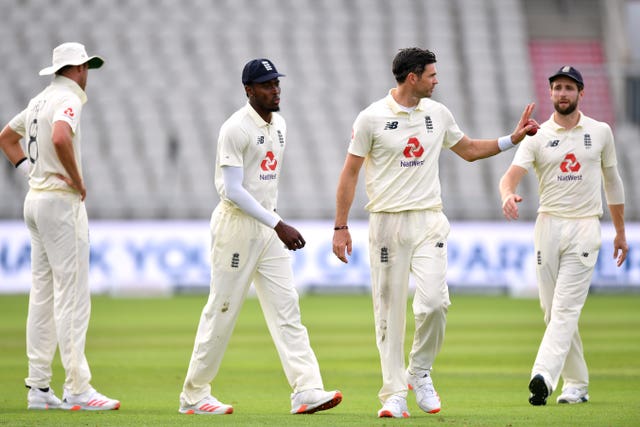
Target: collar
[
  {"x": 557, "y": 127},
  {"x": 259, "y": 121},
  {"x": 71, "y": 85},
  {"x": 396, "y": 108}
]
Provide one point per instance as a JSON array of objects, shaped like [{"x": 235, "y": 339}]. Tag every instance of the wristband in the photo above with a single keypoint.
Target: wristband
[
  {"x": 504, "y": 143},
  {"x": 341, "y": 227},
  {"x": 23, "y": 166}
]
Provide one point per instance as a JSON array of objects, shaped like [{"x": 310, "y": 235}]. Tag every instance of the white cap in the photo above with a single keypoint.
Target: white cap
[{"x": 70, "y": 54}]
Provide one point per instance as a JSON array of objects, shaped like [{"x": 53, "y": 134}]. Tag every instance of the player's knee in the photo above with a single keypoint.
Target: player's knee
[{"x": 431, "y": 307}]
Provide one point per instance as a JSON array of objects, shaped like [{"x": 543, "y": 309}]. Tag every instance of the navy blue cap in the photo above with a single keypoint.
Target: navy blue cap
[
  {"x": 568, "y": 71},
  {"x": 259, "y": 71}
]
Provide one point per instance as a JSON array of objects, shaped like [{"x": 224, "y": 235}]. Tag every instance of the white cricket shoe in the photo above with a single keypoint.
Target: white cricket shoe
[
  {"x": 38, "y": 399},
  {"x": 394, "y": 407},
  {"x": 573, "y": 395},
  {"x": 207, "y": 406},
  {"x": 90, "y": 400},
  {"x": 426, "y": 396},
  {"x": 314, "y": 400}
]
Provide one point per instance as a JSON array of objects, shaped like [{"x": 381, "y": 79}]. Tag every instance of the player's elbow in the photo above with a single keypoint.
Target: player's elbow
[
  {"x": 58, "y": 142},
  {"x": 470, "y": 156},
  {"x": 61, "y": 139},
  {"x": 61, "y": 134},
  {"x": 232, "y": 193},
  {"x": 469, "y": 152}
]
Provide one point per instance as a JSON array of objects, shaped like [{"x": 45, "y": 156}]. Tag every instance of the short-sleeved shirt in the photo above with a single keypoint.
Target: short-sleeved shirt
[
  {"x": 247, "y": 141},
  {"x": 62, "y": 100},
  {"x": 568, "y": 163},
  {"x": 401, "y": 151}
]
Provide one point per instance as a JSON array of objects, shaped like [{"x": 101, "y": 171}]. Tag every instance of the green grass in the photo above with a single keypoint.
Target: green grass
[{"x": 139, "y": 350}]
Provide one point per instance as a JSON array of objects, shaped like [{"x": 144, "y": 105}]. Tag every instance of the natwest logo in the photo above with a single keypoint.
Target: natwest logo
[
  {"x": 413, "y": 148},
  {"x": 269, "y": 163},
  {"x": 570, "y": 164}
]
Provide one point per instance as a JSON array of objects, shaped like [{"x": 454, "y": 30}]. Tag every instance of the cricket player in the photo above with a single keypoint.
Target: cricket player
[
  {"x": 54, "y": 211},
  {"x": 399, "y": 139},
  {"x": 249, "y": 243},
  {"x": 571, "y": 155}
]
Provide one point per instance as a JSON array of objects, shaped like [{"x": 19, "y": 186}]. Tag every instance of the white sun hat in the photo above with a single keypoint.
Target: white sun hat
[{"x": 70, "y": 54}]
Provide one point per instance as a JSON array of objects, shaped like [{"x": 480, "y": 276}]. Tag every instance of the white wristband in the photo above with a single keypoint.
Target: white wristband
[
  {"x": 504, "y": 143},
  {"x": 23, "y": 166}
]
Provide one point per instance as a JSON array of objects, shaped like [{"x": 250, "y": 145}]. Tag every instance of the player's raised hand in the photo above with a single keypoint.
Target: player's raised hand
[
  {"x": 342, "y": 242},
  {"x": 510, "y": 206},
  {"x": 291, "y": 237},
  {"x": 526, "y": 125}
]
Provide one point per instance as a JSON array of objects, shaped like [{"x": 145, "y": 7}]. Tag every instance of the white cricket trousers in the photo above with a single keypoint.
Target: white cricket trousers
[
  {"x": 59, "y": 300},
  {"x": 403, "y": 244},
  {"x": 243, "y": 251},
  {"x": 566, "y": 251}
]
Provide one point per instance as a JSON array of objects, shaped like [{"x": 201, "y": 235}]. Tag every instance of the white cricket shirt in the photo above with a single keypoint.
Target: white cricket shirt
[
  {"x": 568, "y": 163},
  {"x": 401, "y": 151},
  {"x": 62, "y": 100},
  {"x": 247, "y": 141}
]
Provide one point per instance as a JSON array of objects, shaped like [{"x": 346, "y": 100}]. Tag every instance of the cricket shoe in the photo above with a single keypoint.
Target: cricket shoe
[
  {"x": 39, "y": 399},
  {"x": 573, "y": 395},
  {"x": 90, "y": 400},
  {"x": 314, "y": 400},
  {"x": 207, "y": 406},
  {"x": 394, "y": 407},
  {"x": 426, "y": 396},
  {"x": 539, "y": 389}
]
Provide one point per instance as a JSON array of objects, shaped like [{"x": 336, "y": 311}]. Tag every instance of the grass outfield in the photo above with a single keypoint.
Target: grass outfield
[{"x": 139, "y": 350}]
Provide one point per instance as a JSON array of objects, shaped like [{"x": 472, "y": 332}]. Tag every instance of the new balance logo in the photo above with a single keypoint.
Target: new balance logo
[
  {"x": 440, "y": 245},
  {"x": 553, "y": 143},
  {"x": 235, "y": 260},
  {"x": 260, "y": 140},
  {"x": 391, "y": 125}
]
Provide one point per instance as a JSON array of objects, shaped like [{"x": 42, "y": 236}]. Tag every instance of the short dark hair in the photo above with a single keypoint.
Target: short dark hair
[{"x": 411, "y": 60}]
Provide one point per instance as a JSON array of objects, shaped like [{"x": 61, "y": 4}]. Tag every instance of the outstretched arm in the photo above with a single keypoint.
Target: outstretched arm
[
  {"x": 508, "y": 185},
  {"x": 475, "y": 149}
]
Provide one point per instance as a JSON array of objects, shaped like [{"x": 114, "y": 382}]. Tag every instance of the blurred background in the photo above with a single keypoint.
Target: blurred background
[{"x": 172, "y": 77}]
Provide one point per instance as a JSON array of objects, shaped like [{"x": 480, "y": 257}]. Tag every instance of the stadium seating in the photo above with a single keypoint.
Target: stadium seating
[{"x": 172, "y": 76}]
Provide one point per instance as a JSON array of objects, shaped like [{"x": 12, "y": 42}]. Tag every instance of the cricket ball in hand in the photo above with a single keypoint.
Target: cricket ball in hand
[{"x": 534, "y": 130}]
